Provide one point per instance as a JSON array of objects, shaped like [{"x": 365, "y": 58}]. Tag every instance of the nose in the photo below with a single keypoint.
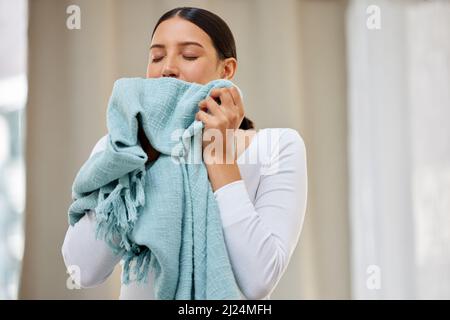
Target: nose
[
  {"x": 169, "y": 74},
  {"x": 170, "y": 70}
]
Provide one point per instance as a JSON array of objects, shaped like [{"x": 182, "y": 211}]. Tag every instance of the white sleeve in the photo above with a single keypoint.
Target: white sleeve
[
  {"x": 83, "y": 253},
  {"x": 261, "y": 237}
]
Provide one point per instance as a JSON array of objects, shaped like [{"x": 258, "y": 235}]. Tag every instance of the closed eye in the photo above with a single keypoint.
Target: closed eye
[{"x": 157, "y": 59}]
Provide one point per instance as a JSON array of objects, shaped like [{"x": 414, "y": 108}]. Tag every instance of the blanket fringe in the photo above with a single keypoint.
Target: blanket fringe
[
  {"x": 142, "y": 257},
  {"x": 117, "y": 212}
]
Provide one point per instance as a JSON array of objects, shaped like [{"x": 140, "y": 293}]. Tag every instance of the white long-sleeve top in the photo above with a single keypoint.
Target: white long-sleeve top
[{"x": 262, "y": 216}]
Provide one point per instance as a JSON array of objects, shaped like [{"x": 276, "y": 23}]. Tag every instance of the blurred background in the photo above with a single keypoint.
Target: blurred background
[{"x": 366, "y": 84}]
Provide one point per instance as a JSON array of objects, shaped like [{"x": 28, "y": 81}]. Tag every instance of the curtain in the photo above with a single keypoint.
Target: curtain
[
  {"x": 13, "y": 91},
  {"x": 399, "y": 149}
]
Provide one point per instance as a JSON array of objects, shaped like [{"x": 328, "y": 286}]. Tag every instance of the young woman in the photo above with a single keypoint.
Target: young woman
[{"x": 261, "y": 194}]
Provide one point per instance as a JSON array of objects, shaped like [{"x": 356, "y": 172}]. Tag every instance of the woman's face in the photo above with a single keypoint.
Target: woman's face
[{"x": 184, "y": 51}]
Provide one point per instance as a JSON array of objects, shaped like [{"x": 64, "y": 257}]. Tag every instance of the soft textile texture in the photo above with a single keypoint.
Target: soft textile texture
[{"x": 162, "y": 216}]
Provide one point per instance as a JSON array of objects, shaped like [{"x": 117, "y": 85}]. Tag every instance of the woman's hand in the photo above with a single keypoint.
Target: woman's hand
[{"x": 220, "y": 122}]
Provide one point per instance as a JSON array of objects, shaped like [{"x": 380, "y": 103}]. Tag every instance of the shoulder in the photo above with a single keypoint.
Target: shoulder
[
  {"x": 100, "y": 145},
  {"x": 282, "y": 140},
  {"x": 281, "y": 150}
]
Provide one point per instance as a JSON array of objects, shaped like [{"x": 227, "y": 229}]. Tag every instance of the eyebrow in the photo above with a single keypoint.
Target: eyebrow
[{"x": 181, "y": 44}]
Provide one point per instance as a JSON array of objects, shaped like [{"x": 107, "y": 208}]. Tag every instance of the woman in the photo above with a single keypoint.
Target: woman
[{"x": 262, "y": 201}]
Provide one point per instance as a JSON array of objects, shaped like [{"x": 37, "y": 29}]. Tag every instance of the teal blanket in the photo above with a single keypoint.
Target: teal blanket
[{"x": 162, "y": 216}]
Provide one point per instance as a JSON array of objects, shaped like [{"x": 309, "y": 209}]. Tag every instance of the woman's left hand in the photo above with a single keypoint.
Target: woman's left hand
[{"x": 222, "y": 119}]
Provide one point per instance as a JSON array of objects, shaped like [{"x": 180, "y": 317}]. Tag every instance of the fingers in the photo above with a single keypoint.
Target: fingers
[
  {"x": 231, "y": 104},
  {"x": 202, "y": 116},
  {"x": 202, "y": 105},
  {"x": 227, "y": 101},
  {"x": 224, "y": 94},
  {"x": 209, "y": 104},
  {"x": 236, "y": 96},
  {"x": 226, "y": 97}
]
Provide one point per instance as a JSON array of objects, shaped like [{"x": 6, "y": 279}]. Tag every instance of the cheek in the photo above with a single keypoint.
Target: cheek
[
  {"x": 152, "y": 71},
  {"x": 200, "y": 72}
]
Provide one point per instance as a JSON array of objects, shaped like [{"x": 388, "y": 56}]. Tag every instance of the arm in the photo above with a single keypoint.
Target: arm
[
  {"x": 94, "y": 258},
  {"x": 261, "y": 237}
]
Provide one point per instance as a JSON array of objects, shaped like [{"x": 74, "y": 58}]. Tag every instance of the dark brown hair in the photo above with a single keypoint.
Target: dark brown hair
[{"x": 218, "y": 31}]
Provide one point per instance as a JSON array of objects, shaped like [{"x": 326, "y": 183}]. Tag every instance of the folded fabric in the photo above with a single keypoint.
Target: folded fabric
[{"x": 162, "y": 216}]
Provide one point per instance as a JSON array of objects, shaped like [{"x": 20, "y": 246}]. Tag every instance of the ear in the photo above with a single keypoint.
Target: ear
[{"x": 229, "y": 66}]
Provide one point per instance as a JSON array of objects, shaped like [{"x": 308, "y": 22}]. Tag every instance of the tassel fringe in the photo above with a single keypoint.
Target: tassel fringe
[{"x": 117, "y": 212}]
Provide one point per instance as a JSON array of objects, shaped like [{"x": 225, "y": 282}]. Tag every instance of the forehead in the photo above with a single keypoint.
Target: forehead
[{"x": 176, "y": 30}]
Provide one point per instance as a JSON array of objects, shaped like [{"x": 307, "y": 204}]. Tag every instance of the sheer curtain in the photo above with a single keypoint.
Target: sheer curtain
[
  {"x": 399, "y": 135},
  {"x": 13, "y": 91}
]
